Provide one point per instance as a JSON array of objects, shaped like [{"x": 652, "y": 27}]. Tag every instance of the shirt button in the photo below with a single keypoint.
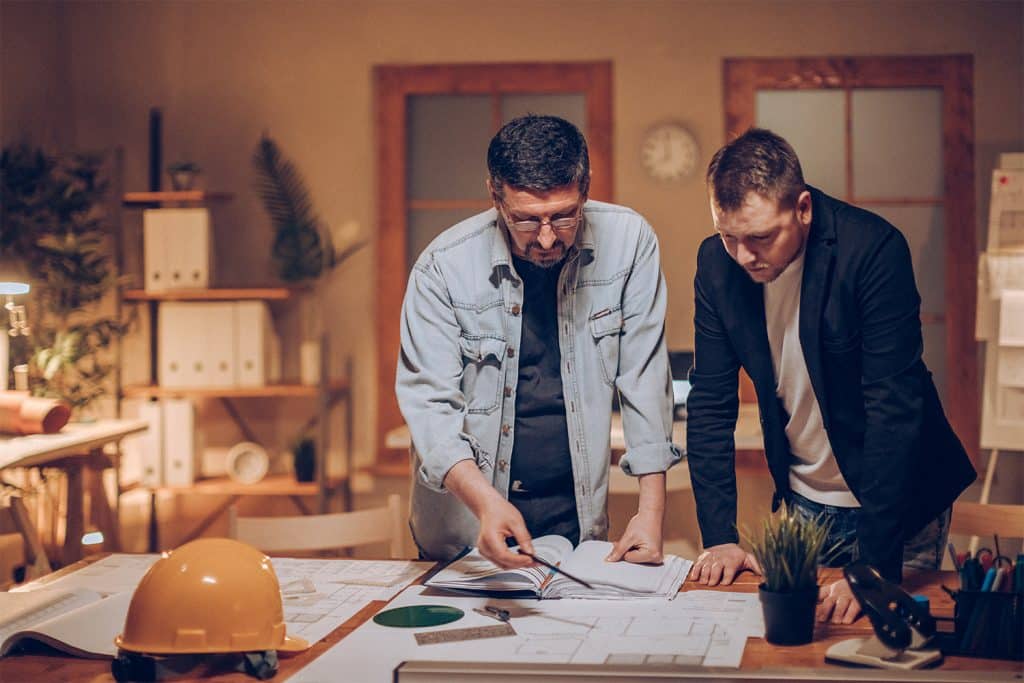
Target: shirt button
[
  {"x": 505, "y": 429},
  {"x": 508, "y": 391},
  {"x": 503, "y": 465},
  {"x": 511, "y": 352},
  {"x": 516, "y": 309}
]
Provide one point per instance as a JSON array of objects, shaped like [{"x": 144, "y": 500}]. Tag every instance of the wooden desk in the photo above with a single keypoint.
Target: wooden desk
[
  {"x": 77, "y": 447},
  {"x": 759, "y": 656}
]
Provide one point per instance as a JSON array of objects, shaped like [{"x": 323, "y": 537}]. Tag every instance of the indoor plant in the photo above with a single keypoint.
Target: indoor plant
[
  {"x": 183, "y": 174},
  {"x": 52, "y": 224},
  {"x": 788, "y": 550}
]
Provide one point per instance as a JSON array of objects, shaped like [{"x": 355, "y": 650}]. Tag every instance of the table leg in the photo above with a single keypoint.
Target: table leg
[{"x": 75, "y": 523}]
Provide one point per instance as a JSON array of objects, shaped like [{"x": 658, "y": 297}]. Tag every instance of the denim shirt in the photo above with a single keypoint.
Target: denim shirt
[{"x": 459, "y": 363}]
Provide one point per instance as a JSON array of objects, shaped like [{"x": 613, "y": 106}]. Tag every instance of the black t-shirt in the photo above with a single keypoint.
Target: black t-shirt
[{"x": 541, "y": 480}]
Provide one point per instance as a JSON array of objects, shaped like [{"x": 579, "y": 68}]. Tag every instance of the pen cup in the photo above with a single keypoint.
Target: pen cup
[{"x": 988, "y": 624}]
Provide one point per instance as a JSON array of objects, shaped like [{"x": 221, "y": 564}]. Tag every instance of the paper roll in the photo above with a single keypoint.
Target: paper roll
[{"x": 24, "y": 414}]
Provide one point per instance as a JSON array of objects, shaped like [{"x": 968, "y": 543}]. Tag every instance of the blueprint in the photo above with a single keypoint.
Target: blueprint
[
  {"x": 698, "y": 628},
  {"x": 318, "y": 595}
]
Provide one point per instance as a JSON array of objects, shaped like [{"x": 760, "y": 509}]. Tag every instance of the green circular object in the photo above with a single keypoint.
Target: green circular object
[{"x": 418, "y": 616}]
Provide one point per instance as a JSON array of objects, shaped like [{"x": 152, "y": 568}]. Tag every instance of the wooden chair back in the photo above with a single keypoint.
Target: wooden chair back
[
  {"x": 985, "y": 519},
  {"x": 275, "y": 535}
]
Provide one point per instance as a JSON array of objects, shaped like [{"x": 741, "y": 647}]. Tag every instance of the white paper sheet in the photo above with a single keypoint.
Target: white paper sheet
[{"x": 701, "y": 628}]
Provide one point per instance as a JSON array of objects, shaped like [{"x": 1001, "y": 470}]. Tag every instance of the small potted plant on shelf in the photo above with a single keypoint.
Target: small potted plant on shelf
[
  {"x": 788, "y": 551},
  {"x": 304, "y": 459},
  {"x": 183, "y": 174}
]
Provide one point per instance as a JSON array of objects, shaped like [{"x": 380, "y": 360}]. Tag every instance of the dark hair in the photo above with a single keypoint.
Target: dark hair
[
  {"x": 758, "y": 161},
  {"x": 538, "y": 153}
]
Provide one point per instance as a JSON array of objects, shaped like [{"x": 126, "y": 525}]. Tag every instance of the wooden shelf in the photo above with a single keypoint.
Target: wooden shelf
[
  {"x": 271, "y": 485},
  {"x": 225, "y": 294},
  {"x": 186, "y": 197},
  {"x": 268, "y": 391}
]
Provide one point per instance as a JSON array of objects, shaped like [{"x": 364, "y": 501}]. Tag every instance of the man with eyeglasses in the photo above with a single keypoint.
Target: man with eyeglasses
[
  {"x": 816, "y": 299},
  {"x": 518, "y": 326}
]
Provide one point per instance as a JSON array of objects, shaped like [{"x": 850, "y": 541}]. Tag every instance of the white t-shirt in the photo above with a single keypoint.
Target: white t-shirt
[{"x": 814, "y": 474}]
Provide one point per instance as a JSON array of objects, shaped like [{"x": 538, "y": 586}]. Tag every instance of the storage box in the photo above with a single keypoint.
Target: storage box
[{"x": 177, "y": 249}]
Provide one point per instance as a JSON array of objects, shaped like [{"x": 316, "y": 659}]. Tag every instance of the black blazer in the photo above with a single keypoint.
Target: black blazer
[{"x": 860, "y": 330}]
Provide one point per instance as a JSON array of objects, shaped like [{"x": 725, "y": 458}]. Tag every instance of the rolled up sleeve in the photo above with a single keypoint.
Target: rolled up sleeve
[
  {"x": 428, "y": 380},
  {"x": 644, "y": 381}
]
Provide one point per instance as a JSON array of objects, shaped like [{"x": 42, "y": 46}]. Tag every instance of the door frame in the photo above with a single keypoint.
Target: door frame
[
  {"x": 953, "y": 74},
  {"x": 393, "y": 84}
]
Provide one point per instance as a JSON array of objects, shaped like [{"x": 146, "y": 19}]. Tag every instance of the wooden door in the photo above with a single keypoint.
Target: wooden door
[
  {"x": 894, "y": 135},
  {"x": 433, "y": 126}
]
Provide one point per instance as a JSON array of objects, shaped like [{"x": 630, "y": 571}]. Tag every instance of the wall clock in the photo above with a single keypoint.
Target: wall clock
[
  {"x": 247, "y": 462},
  {"x": 669, "y": 151}
]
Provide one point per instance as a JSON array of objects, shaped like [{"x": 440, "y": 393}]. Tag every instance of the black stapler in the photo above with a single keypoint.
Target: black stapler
[{"x": 903, "y": 628}]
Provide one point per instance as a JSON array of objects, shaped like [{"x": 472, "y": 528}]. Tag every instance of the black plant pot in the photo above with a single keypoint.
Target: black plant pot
[
  {"x": 788, "y": 616},
  {"x": 305, "y": 461}
]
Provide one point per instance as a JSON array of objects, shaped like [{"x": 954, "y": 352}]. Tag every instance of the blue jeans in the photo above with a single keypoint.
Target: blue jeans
[{"x": 921, "y": 551}]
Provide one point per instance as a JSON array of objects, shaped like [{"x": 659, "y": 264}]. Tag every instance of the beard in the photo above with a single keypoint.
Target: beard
[{"x": 545, "y": 258}]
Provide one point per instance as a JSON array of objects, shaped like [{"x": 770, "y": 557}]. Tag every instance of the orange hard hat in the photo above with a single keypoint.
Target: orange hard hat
[{"x": 212, "y": 595}]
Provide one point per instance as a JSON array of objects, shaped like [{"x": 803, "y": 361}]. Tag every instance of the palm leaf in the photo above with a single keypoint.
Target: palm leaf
[{"x": 298, "y": 246}]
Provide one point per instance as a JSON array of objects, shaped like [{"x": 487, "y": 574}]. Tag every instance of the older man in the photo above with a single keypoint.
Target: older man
[
  {"x": 517, "y": 327},
  {"x": 816, "y": 300}
]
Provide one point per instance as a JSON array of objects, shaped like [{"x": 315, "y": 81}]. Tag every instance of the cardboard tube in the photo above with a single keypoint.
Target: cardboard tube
[{"x": 24, "y": 414}]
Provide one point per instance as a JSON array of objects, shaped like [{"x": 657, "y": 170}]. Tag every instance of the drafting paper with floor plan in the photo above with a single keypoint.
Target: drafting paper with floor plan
[
  {"x": 318, "y": 595},
  {"x": 701, "y": 628}
]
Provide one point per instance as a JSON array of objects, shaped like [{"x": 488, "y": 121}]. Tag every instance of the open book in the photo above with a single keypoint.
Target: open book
[
  {"x": 610, "y": 580},
  {"x": 79, "y": 621}
]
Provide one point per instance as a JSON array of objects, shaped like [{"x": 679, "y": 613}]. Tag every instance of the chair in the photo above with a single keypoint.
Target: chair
[
  {"x": 274, "y": 535},
  {"x": 985, "y": 519}
]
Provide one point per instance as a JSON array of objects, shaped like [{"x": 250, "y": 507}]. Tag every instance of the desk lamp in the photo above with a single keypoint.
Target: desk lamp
[{"x": 17, "y": 325}]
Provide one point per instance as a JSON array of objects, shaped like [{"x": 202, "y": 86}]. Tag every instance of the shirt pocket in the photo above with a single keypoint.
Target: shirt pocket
[
  {"x": 482, "y": 372},
  {"x": 606, "y": 328}
]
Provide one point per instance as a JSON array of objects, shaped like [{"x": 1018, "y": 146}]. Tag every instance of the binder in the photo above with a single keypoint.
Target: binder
[
  {"x": 179, "y": 442},
  {"x": 178, "y": 248},
  {"x": 143, "y": 459},
  {"x": 255, "y": 345}
]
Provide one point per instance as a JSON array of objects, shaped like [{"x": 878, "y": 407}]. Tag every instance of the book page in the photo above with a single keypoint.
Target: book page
[
  {"x": 87, "y": 631},
  {"x": 610, "y": 579},
  {"x": 475, "y": 572},
  {"x": 34, "y": 610}
]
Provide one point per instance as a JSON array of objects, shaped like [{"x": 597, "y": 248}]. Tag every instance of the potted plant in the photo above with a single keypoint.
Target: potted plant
[
  {"x": 183, "y": 174},
  {"x": 788, "y": 551},
  {"x": 304, "y": 459},
  {"x": 304, "y": 248},
  {"x": 53, "y": 227}
]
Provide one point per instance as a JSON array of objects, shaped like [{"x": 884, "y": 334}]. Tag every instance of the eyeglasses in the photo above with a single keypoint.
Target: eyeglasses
[{"x": 558, "y": 224}]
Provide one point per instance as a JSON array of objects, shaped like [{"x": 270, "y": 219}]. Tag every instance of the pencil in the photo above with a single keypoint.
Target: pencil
[{"x": 555, "y": 568}]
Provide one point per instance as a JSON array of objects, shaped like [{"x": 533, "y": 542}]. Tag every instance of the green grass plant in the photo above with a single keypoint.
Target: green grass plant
[{"x": 789, "y": 548}]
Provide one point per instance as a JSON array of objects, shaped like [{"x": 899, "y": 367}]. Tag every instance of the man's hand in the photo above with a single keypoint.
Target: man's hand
[
  {"x": 836, "y": 600},
  {"x": 641, "y": 542},
  {"x": 721, "y": 564},
  {"x": 500, "y": 519}
]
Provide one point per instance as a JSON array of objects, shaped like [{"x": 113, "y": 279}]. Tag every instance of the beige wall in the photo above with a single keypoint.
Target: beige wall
[{"x": 223, "y": 72}]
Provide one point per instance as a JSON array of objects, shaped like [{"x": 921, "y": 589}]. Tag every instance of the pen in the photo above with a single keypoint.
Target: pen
[
  {"x": 494, "y": 612},
  {"x": 555, "y": 568}
]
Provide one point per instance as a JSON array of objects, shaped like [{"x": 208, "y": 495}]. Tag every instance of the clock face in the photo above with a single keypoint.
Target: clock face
[
  {"x": 669, "y": 152},
  {"x": 247, "y": 462}
]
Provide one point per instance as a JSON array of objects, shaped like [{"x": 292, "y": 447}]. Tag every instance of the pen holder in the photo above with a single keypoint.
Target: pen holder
[{"x": 988, "y": 624}]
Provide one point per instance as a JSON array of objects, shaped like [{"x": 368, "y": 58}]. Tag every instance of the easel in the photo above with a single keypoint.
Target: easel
[{"x": 1000, "y": 320}]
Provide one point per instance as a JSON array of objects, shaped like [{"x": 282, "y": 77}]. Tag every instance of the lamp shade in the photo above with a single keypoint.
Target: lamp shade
[{"x": 13, "y": 288}]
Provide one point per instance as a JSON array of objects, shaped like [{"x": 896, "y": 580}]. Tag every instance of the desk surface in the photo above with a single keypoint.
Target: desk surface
[
  {"x": 75, "y": 439},
  {"x": 39, "y": 665}
]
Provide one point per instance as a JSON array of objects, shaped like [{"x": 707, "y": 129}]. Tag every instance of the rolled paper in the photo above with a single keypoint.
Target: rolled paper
[{"x": 24, "y": 414}]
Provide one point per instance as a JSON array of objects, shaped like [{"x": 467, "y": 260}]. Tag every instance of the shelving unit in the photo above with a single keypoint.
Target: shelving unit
[{"x": 326, "y": 394}]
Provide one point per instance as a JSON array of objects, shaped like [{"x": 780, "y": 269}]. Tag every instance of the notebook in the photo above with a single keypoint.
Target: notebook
[
  {"x": 609, "y": 580},
  {"x": 78, "y": 622}
]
